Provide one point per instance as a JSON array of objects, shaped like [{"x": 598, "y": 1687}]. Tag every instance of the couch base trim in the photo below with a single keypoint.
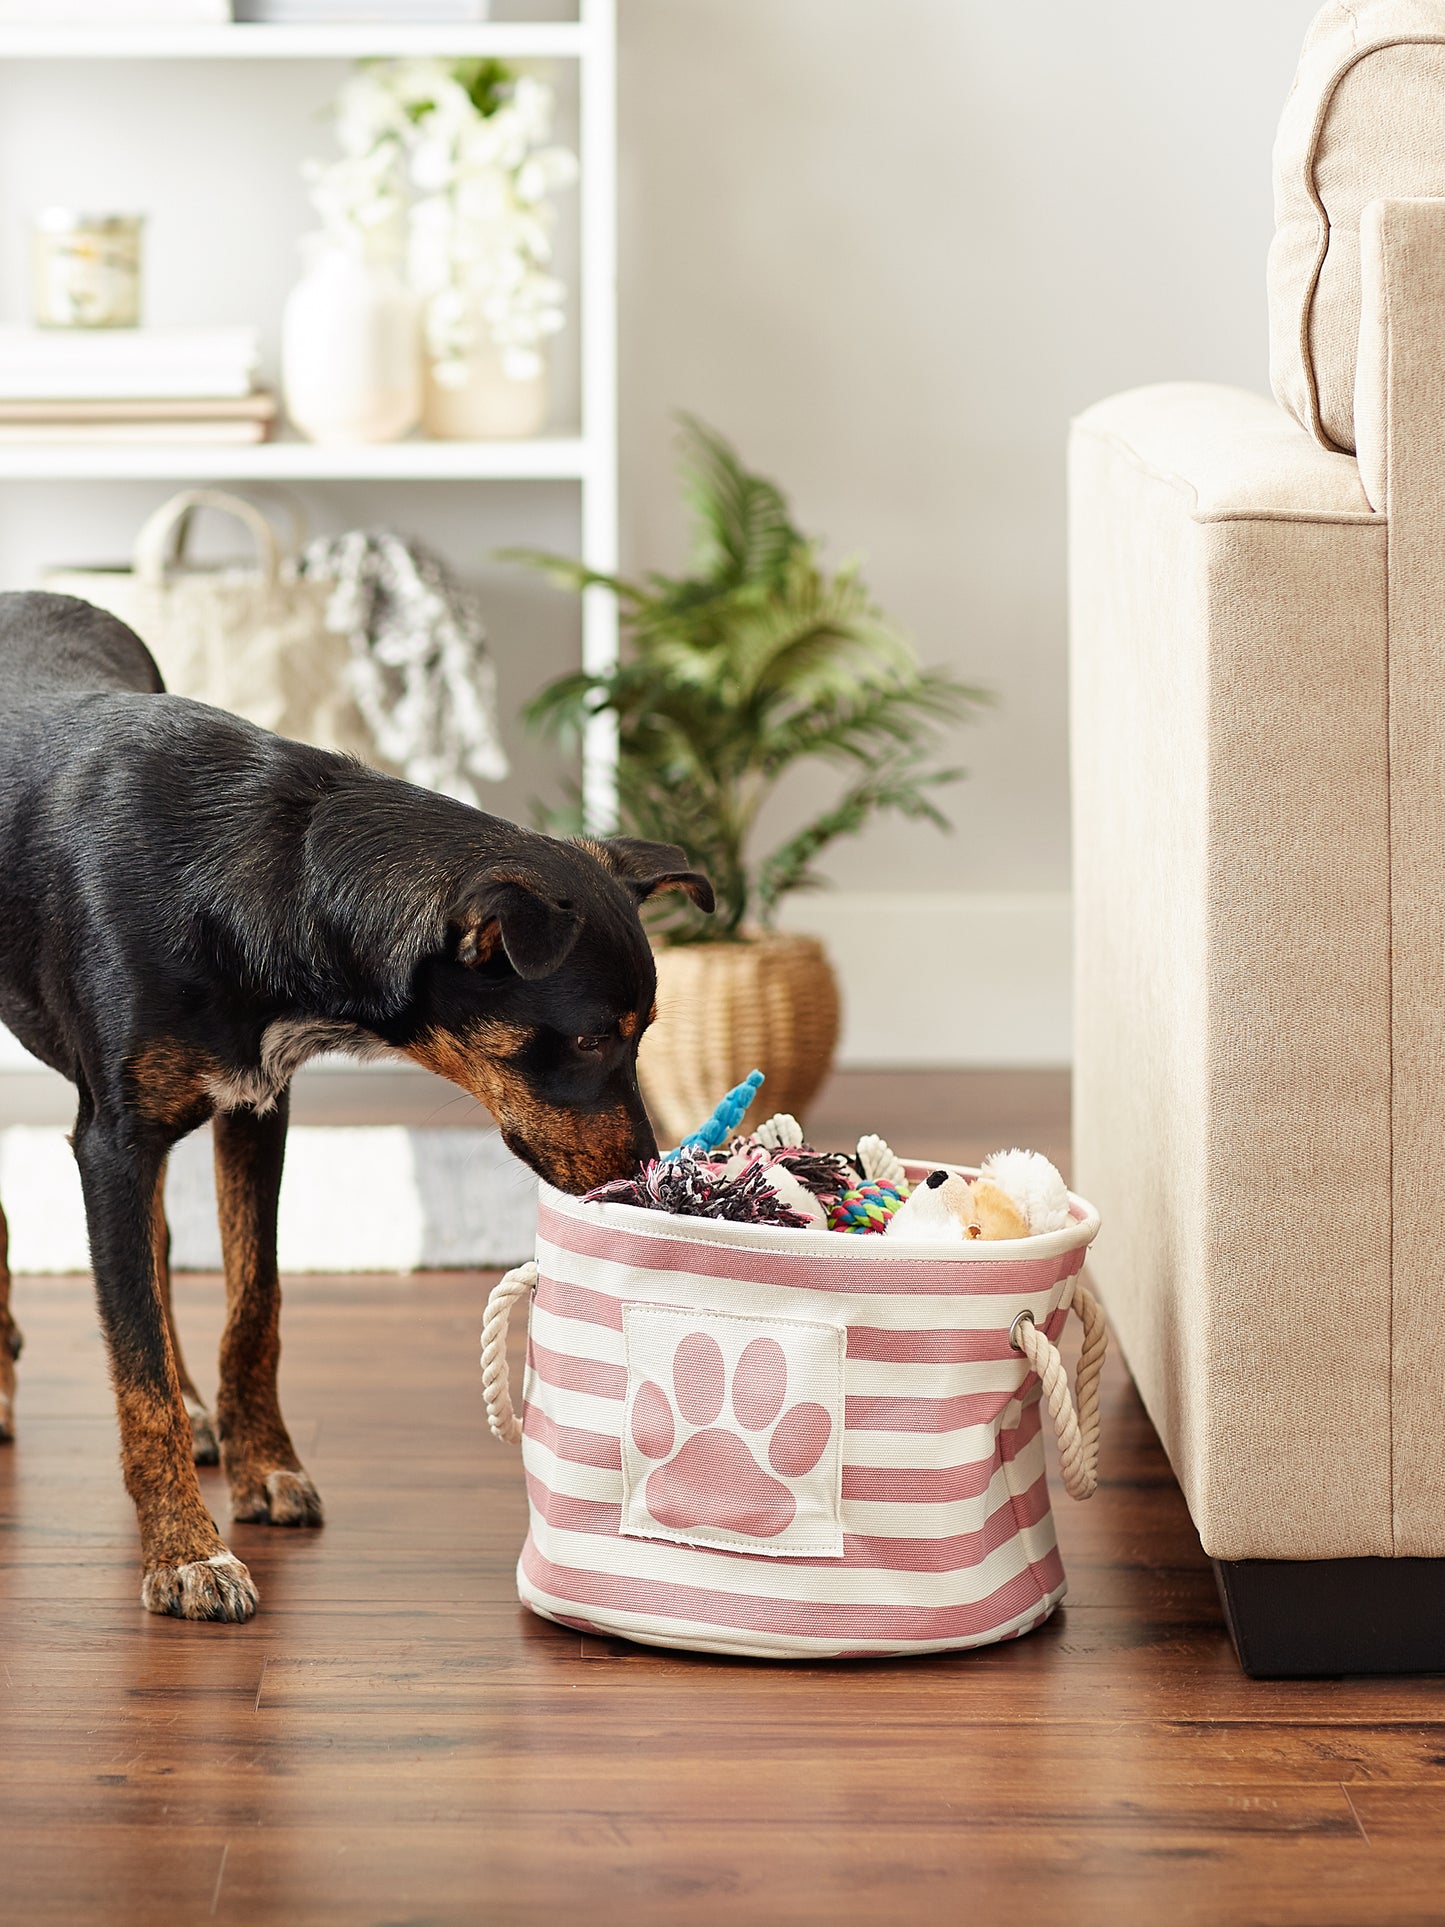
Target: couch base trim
[{"x": 1313, "y": 1618}]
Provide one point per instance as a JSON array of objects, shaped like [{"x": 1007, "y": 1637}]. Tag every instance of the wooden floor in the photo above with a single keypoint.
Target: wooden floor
[{"x": 393, "y": 1740}]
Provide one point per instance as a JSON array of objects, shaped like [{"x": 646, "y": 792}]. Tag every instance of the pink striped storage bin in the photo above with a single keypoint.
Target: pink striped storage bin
[{"x": 784, "y": 1443}]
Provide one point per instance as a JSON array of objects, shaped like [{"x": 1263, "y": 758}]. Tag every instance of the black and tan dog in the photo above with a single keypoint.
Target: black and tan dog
[{"x": 189, "y": 909}]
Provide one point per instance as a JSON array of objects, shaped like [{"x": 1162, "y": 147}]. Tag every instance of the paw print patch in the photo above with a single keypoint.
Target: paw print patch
[{"x": 733, "y": 1431}]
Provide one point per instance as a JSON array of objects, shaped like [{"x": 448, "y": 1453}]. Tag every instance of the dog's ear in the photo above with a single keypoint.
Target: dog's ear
[
  {"x": 648, "y": 869},
  {"x": 515, "y": 912}
]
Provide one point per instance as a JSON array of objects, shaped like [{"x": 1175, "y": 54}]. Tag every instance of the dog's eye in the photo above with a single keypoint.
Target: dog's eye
[{"x": 587, "y": 1043}]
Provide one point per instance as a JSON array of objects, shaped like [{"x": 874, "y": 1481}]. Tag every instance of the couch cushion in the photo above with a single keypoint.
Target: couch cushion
[
  {"x": 1235, "y": 455},
  {"x": 1364, "y": 121}
]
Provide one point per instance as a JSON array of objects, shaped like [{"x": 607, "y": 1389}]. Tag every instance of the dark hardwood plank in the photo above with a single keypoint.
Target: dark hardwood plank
[{"x": 395, "y": 1739}]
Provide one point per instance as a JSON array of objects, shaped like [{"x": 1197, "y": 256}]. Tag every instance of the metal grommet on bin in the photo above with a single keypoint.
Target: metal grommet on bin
[{"x": 1024, "y": 1317}]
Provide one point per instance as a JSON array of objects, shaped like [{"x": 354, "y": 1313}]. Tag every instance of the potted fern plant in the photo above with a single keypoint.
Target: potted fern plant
[{"x": 756, "y": 661}]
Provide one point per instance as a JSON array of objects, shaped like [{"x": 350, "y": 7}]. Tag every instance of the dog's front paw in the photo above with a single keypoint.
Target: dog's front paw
[
  {"x": 278, "y": 1498},
  {"x": 205, "y": 1443},
  {"x": 216, "y": 1588}
]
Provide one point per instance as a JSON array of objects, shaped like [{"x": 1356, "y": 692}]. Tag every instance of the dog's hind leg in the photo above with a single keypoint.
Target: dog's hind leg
[
  {"x": 268, "y": 1485},
  {"x": 205, "y": 1447},
  {"x": 9, "y": 1340},
  {"x": 189, "y": 1571}
]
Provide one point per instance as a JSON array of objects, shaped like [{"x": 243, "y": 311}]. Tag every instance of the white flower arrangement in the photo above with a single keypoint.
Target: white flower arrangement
[{"x": 449, "y": 165}]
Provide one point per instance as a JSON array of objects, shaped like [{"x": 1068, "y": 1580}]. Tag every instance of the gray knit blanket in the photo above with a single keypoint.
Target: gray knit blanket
[{"x": 420, "y": 671}]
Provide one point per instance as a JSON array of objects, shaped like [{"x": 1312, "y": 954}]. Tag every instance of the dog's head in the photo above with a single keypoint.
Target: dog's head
[{"x": 539, "y": 1001}]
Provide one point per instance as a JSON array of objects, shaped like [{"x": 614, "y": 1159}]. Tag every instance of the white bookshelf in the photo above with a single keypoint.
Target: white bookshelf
[
  {"x": 586, "y": 460},
  {"x": 545, "y": 459},
  {"x": 502, "y": 39}
]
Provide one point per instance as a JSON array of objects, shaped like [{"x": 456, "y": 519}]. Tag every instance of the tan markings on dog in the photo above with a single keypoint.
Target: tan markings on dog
[
  {"x": 171, "y": 1082},
  {"x": 460, "y": 1058},
  {"x": 262, "y": 1468},
  {"x": 479, "y": 942},
  {"x": 582, "y": 1150},
  {"x": 155, "y": 1455},
  {"x": 629, "y": 1023}
]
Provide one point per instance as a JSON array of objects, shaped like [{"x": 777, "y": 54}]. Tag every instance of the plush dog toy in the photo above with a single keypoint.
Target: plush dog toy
[{"x": 1017, "y": 1194}]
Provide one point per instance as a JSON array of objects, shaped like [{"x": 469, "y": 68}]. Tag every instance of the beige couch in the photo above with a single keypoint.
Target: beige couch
[{"x": 1258, "y": 618}]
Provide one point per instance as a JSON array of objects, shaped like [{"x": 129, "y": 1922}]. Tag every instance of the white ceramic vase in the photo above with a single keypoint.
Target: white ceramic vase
[
  {"x": 351, "y": 351},
  {"x": 487, "y": 405}
]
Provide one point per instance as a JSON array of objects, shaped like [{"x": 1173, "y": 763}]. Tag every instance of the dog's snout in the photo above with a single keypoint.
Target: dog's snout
[
  {"x": 578, "y": 1153},
  {"x": 935, "y": 1178}
]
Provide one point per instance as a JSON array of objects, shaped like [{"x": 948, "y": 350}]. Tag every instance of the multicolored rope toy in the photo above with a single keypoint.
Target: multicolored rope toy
[
  {"x": 724, "y": 1120},
  {"x": 867, "y": 1206}
]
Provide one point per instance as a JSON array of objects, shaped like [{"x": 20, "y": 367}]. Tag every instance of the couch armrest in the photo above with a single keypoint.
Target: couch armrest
[
  {"x": 1232, "y": 956},
  {"x": 1233, "y": 454},
  {"x": 1400, "y": 366}
]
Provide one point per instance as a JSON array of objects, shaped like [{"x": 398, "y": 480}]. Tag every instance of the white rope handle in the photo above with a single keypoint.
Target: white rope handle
[
  {"x": 496, "y": 1387},
  {"x": 1077, "y": 1429}
]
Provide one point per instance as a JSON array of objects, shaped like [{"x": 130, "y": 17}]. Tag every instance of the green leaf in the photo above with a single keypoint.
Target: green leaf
[
  {"x": 732, "y": 676},
  {"x": 565, "y": 572},
  {"x": 742, "y": 531}
]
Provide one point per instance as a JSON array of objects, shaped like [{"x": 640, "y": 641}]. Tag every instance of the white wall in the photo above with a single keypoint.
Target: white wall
[{"x": 891, "y": 249}]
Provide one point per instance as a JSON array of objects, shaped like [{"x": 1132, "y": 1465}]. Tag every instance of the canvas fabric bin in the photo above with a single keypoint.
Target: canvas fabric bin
[
  {"x": 782, "y": 1443},
  {"x": 251, "y": 638}
]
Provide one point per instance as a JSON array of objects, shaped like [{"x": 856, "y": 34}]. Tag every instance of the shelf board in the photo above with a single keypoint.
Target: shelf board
[
  {"x": 502, "y": 39},
  {"x": 544, "y": 459}
]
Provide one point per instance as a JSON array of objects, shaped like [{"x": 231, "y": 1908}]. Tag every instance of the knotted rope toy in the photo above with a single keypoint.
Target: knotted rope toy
[
  {"x": 690, "y": 1185},
  {"x": 866, "y": 1206}
]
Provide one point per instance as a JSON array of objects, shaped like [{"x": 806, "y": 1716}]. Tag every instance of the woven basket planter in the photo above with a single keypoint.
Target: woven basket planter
[{"x": 724, "y": 1008}]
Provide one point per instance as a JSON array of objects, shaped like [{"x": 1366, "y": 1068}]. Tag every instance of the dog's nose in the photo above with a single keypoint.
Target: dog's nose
[{"x": 935, "y": 1178}]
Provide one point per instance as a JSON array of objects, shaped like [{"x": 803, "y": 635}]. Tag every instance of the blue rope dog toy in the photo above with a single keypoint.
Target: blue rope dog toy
[{"x": 723, "y": 1123}]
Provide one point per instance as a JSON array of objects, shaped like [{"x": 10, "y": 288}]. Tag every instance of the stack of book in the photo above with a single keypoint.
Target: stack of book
[
  {"x": 132, "y": 385},
  {"x": 113, "y": 13},
  {"x": 295, "y": 13}
]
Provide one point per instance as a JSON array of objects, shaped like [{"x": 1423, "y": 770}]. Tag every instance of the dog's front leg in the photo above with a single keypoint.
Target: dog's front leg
[
  {"x": 266, "y": 1478},
  {"x": 189, "y": 1570}
]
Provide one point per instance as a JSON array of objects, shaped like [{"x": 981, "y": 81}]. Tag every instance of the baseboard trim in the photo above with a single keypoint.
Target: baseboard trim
[
  {"x": 948, "y": 980},
  {"x": 1323, "y": 1618}
]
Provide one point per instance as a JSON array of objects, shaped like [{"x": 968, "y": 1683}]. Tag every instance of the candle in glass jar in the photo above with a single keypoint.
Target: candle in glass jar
[{"x": 87, "y": 269}]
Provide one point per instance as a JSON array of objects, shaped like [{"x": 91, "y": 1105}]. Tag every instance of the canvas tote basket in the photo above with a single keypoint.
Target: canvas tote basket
[
  {"x": 748, "y": 1439},
  {"x": 249, "y": 638}
]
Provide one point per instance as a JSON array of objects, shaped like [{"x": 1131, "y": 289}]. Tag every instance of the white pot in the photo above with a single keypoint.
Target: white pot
[
  {"x": 487, "y": 406},
  {"x": 351, "y": 351}
]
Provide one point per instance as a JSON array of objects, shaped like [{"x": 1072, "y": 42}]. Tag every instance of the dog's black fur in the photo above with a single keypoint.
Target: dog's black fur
[{"x": 191, "y": 908}]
